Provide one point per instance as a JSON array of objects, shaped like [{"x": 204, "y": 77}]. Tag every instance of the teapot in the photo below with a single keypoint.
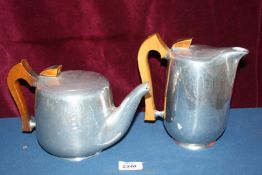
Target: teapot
[
  {"x": 75, "y": 116},
  {"x": 198, "y": 89}
]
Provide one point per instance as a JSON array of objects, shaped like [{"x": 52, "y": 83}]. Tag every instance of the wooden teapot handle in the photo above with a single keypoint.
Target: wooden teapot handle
[
  {"x": 23, "y": 71},
  {"x": 153, "y": 42}
]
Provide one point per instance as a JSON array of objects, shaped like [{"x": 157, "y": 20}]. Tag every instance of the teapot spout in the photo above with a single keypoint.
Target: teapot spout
[{"x": 121, "y": 117}]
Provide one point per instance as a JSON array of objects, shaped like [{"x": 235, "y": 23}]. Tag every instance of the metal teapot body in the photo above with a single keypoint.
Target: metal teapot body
[
  {"x": 69, "y": 119},
  {"x": 198, "y": 91},
  {"x": 75, "y": 116}
]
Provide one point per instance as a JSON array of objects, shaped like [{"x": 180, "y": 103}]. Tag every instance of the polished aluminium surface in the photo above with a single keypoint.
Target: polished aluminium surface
[
  {"x": 199, "y": 88},
  {"x": 75, "y": 114}
]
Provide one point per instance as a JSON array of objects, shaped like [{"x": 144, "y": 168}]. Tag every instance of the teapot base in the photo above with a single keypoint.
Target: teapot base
[
  {"x": 194, "y": 147},
  {"x": 78, "y": 159}
]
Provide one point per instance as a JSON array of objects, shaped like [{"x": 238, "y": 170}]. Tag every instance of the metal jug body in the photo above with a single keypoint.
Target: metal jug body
[
  {"x": 198, "y": 95},
  {"x": 197, "y": 103},
  {"x": 198, "y": 90}
]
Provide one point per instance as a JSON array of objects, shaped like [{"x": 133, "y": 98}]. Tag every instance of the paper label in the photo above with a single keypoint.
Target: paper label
[{"x": 129, "y": 166}]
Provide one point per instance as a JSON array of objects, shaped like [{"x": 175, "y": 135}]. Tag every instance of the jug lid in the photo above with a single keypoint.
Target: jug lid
[
  {"x": 201, "y": 52},
  {"x": 72, "y": 81}
]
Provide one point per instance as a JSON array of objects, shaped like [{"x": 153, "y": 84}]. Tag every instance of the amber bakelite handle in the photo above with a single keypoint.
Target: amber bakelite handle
[
  {"x": 23, "y": 71},
  {"x": 153, "y": 42}
]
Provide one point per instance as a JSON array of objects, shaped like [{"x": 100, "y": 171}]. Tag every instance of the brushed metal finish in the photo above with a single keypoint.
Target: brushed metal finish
[
  {"x": 75, "y": 114},
  {"x": 198, "y": 93}
]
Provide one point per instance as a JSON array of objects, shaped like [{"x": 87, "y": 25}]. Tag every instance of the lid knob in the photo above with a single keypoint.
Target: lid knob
[{"x": 52, "y": 71}]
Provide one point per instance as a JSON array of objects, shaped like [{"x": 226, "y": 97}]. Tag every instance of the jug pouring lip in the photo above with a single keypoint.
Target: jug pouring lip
[
  {"x": 240, "y": 49},
  {"x": 203, "y": 53}
]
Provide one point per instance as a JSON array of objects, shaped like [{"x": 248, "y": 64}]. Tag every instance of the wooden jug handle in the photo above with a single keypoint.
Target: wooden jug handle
[
  {"x": 23, "y": 71},
  {"x": 154, "y": 42}
]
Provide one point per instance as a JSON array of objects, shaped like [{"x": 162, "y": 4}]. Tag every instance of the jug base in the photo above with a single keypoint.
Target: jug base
[{"x": 195, "y": 146}]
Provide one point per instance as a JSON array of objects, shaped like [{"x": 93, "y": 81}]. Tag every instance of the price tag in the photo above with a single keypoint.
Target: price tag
[{"x": 130, "y": 166}]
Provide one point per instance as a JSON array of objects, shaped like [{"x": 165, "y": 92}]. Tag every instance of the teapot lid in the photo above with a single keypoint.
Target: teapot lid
[
  {"x": 201, "y": 52},
  {"x": 72, "y": 81}
]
